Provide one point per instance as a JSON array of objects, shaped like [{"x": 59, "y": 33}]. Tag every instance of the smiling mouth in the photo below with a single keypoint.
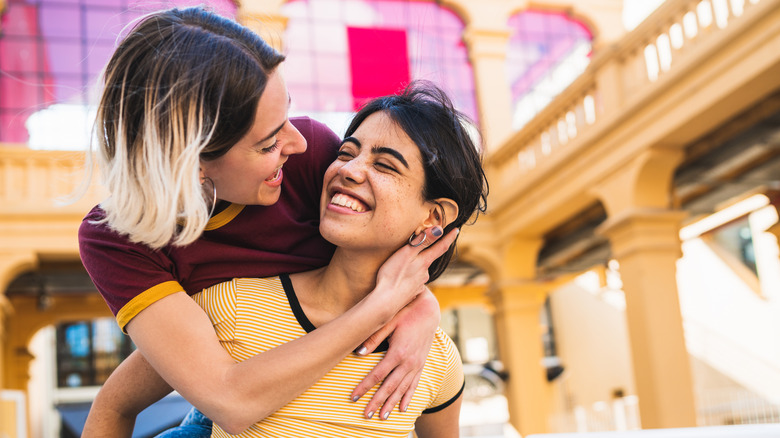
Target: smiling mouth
[
  {"x": 276, "y": 176},
  {"x": 347, "y": 201}
]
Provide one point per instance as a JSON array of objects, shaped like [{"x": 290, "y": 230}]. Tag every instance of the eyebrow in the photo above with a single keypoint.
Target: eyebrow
[
  {"x": 276, "y": 131},
  {"x": 379, "y": 150}
]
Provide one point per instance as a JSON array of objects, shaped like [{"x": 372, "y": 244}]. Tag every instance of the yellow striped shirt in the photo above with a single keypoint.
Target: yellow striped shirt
[{"x": 253, "y": 315}]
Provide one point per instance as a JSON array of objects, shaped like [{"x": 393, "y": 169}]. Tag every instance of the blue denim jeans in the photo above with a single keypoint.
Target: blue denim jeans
[{"x": 194, "y": 425}]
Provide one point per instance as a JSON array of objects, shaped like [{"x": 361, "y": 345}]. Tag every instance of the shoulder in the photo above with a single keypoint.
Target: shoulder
[
  {"x": 445, "y": 364},
  {"x": 248, "y": 290},
  {"x": 93, "y": 220},
  {"x": 124, "y": 272},
  {"x": 446, "y": 348},
  {"x": 94, "y": 230}
]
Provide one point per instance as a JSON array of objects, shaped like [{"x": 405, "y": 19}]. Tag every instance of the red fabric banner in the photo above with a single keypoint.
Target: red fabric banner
[{"x": 379, "y": 62}]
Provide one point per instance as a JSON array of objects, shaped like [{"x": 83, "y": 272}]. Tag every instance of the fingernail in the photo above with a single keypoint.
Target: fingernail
[
  {"x": 437, "y": 231},
  {"x": 403, "y": 408},
  {"x": 355, "y": 398},
  {"x": 362, "y": 351},
  {"x": 370, "y": 415},
  {"x": 385, "y": 415}
]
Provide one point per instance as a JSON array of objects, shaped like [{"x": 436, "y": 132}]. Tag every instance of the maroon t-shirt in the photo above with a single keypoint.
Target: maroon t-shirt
[{"x": 240, "y": 241}]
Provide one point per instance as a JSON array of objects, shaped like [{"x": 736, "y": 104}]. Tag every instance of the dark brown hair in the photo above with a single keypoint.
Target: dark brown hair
[{"x": 451, "y": 159}]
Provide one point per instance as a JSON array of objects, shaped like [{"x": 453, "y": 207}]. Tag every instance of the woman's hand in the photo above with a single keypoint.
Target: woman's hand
[
  {"x": 404, "y": 275},
  {"x": 410, "y": 335},
  {"x": 405, "y": 272}
]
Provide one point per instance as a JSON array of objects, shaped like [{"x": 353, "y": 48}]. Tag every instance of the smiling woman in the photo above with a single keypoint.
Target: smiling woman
[
  {"x": 406, "y": 165},
  {"x": 251, "y": 171},
  {"x": 378, "y": 166},
  {"x": 422, "y": 118}
]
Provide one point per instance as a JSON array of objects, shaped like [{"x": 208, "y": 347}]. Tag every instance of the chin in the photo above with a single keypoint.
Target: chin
[
  {"x": 339, "y": 235},
  {"x": 268, "y": 198}
]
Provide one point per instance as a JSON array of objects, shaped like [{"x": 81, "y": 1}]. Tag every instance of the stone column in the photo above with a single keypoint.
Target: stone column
[
  {"x": 487, "y": 53},
  {"x": 518, "y": 300},
  {"x": 11, "y": 265},
  {"x": 518, "y": 305},
  {"x": 646, "y": 244}
]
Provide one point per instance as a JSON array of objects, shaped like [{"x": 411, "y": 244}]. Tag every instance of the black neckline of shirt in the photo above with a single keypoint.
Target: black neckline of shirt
[{"x": 303, "y": 320}]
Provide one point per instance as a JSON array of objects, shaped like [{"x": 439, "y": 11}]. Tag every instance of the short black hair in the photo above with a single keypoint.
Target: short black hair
[{"x": 451, "y": 159}]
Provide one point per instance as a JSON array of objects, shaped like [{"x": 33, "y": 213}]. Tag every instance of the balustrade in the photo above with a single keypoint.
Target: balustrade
[
  {"x": 34, "y": 182},
  {"x": 675, "y": 34}
]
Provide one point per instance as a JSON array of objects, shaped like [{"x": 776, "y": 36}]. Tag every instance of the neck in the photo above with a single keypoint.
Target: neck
[{"x": 328, "y": 292}]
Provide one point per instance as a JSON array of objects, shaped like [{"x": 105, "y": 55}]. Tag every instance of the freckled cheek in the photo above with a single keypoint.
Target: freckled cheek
[
  {"x": 402, "y": 211},
  {"x": 330, "y": 173}
]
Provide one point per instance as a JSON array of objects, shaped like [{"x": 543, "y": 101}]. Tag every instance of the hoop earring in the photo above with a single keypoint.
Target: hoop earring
[
  {"x": 413, "y": 236},
  {"x": 213, "y": 195}
]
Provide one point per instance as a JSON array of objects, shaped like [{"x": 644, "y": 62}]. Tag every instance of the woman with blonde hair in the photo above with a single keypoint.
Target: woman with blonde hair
[
  {"x": 407, "y": 163},
  {"x": 209, "y": 180}
]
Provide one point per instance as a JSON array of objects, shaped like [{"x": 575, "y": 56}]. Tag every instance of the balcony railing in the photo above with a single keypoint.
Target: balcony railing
[
  {"x": 43, "y": 182},
  {"x": 678, "y": 35}
]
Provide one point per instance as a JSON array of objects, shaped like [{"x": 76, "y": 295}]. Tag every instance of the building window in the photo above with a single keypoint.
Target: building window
[
  {"x": 51, "y": 54},
  {"x": 88, "y": 351},
  {"x": 343, "y": 52},
  {"x": 547, "y": 52}
]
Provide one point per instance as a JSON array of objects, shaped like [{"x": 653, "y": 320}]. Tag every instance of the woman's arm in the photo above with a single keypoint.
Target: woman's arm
[
  {"x": 441, "y": 424},
  {"x": 178, "y": 340},
  {"x": 131, "y": 388},
  {"x": 409, "y": 334}
]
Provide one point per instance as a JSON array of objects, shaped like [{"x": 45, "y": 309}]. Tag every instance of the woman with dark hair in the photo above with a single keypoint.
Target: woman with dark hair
[
  {"x": 194, "y": 146},
  {"x": 407, "y": 164}
]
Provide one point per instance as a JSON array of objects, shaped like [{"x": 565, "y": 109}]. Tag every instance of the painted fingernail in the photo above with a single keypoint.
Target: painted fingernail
[
  {"x": 437, "y": 231},
  {"x": 355, "y": 398},
  {"x": 385, "y": 415},
  {"x": 362, "y": 351},
  {"x": 370, "y": 415}
]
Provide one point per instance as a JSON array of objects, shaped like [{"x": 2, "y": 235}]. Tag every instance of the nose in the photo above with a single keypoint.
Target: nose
[
  {"x": 296, "y": 143},
  {"x": 353, "y": 170}
]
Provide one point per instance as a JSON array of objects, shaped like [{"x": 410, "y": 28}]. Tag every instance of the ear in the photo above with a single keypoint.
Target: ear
[{"x": 442, "y": 212}]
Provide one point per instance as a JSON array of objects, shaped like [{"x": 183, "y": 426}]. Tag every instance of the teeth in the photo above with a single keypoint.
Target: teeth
[
  {"x": 275, "y": 175},
  {"x": 346, "y": 201}
]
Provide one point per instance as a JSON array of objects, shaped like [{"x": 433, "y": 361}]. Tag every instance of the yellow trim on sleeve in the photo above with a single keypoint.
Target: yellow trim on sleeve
[
  {"x": 144, "y": 300},
  {"x": 223, "y": 217}
]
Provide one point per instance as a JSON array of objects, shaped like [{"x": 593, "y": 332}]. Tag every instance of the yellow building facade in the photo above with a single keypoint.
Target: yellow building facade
[{"x": 610, "y": 170}]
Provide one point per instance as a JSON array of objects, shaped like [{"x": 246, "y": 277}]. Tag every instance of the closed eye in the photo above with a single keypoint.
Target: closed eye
[
  {"x": 387, "y": 166},
  {"x": 271, "y": 148},
  {"x": 344, "y": 155}
]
